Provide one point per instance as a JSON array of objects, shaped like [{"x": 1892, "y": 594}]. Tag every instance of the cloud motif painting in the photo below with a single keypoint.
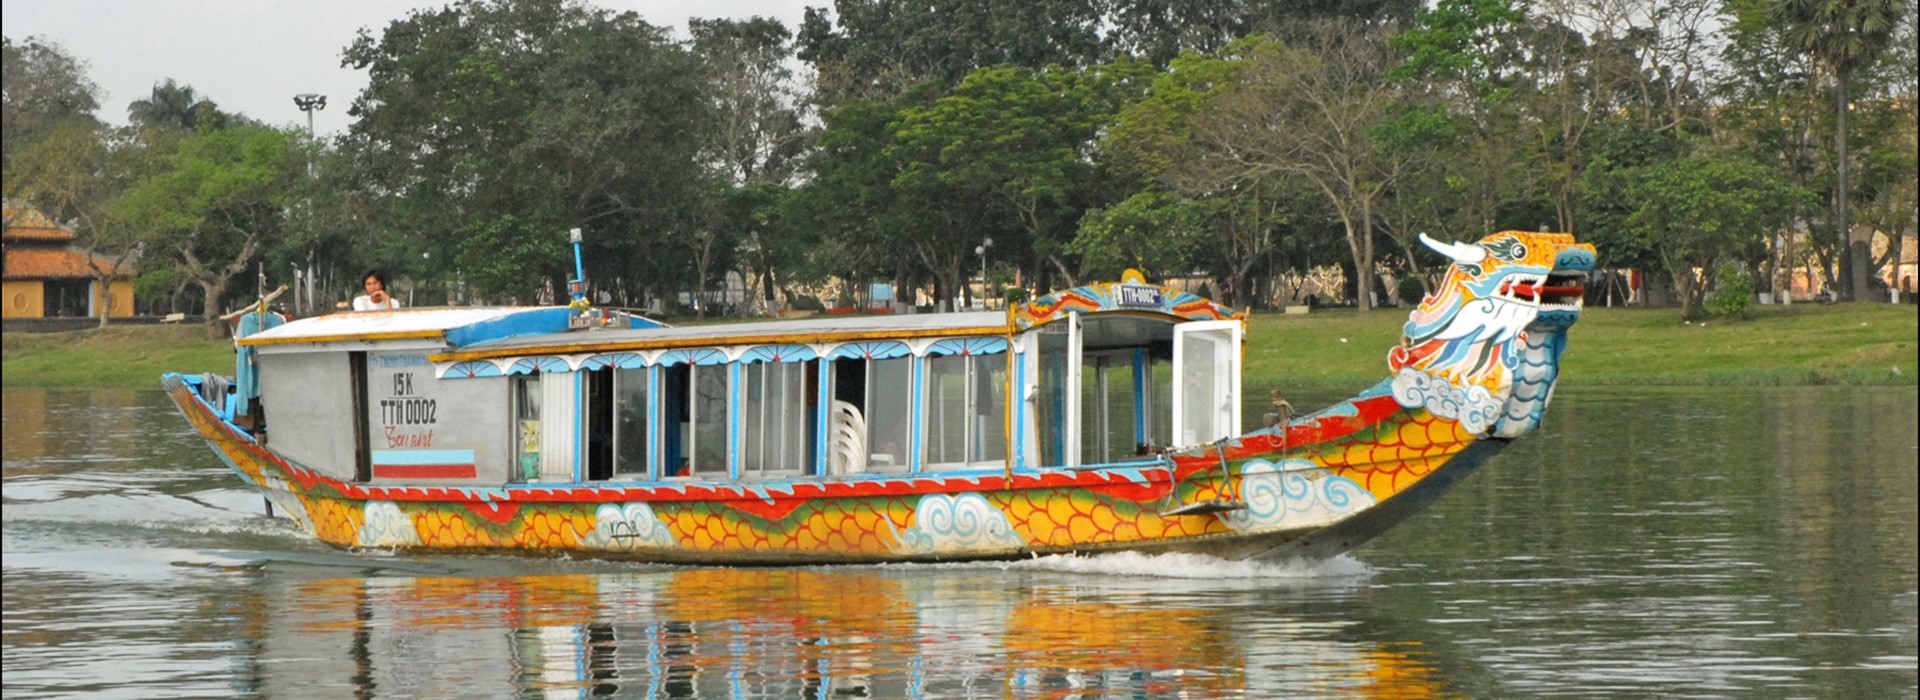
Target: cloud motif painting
[
  {"x": 1472, "y": 405},
  {"x": 630, "y": 525},
  {"x": 961, "y": 522},
  {"x": 1295, "y": 493},
  {"x": 386, "y": 526}
]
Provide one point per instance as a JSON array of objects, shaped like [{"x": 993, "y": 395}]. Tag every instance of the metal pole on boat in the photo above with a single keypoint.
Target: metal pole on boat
[
  {"x": 578, "y": 286},
  {"x": 982, "y": 251}
]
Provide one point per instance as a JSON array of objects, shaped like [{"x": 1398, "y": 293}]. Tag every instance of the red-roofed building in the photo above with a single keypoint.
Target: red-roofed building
[{"x": 45, "y": 277}]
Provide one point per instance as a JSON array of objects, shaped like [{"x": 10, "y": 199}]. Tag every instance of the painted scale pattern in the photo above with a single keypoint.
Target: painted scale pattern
[{"x": 1378, "y": 445}]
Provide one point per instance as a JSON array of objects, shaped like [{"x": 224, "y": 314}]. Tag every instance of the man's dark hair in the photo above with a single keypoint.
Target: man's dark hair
[{"x": 376, "y": 274}]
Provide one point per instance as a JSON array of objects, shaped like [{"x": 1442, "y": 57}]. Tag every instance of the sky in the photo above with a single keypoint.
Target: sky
[{"x": 253, "y": 56}]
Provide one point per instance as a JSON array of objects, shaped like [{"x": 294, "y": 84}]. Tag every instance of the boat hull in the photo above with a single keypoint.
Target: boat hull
[{"x": 1325, "y": 484}]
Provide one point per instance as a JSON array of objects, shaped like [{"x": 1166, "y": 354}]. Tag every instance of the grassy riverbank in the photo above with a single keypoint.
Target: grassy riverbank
[
  {"x": 113, "y": 357},
  {"x": 1868, "y": 344}
]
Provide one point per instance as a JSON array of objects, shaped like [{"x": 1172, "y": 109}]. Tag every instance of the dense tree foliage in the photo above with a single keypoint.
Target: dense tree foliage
[
  {"x": 44, "y": 87},
  {"x": 492, "y": 128},
  {"x": 220, "y": 202},
  {"x": 1844, "y": 36},
  {"x": 1253, "y": 147}
]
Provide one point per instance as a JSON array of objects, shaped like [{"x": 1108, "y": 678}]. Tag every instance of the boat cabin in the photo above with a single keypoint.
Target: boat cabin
[{"x": 1102, "y": 375}]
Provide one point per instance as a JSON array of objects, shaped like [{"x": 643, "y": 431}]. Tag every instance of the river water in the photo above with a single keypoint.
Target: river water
[{"x": 1648, "y": 542}]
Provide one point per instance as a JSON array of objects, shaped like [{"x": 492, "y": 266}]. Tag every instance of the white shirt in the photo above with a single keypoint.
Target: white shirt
[{"x": 365, "y": 302}]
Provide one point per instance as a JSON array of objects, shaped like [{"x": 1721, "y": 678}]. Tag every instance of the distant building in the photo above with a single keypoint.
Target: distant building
[{"x": 45, "y": 277}]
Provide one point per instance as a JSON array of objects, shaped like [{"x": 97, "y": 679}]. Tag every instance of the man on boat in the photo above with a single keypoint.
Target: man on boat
[{"x": 376, "y": 298}]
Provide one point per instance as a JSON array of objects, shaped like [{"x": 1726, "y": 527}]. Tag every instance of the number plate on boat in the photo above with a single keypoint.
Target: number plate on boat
[{"x": 1137, "y": 295}]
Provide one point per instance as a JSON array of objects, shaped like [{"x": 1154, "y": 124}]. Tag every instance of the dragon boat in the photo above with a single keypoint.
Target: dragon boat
[{"x": 1101, "y": 418}]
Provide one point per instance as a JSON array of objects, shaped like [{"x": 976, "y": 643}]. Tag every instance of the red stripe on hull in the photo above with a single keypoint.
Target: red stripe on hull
[{"x": 423, "y": 471}]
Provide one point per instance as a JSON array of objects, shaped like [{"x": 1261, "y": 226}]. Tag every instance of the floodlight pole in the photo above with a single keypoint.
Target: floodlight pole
[{"x": 308, "y": 102}]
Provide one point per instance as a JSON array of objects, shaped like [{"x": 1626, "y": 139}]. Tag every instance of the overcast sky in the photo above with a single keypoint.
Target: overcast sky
[{"x": 253, "y": 56}]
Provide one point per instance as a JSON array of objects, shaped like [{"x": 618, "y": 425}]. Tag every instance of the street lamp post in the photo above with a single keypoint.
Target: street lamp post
[
  {"x": 309, "y": 102},
  {"x": 982, "y": 251}
]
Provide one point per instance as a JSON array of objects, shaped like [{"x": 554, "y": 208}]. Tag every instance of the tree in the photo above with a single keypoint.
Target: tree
[
  {"x": 75, "y": 173},
  {"x": 1893, "y": 175},
  {"x": 1158, "y": 233},
  {"x": 173, "y": 106},
  {"x": 1154, "y": 141},
  {"x": 221, "y": 201},
  {"x": 1845, "y": 36},
  {"x": 1009, "y": 134},
  {"x": 879, "y": 48},
  {"x": 44, "y": 87},
  {"x": 850, "y": 198},
  {"x": 754, "y": 138},
  {"x": 1315, "y": 115},
  {"x": 491, "y": 128},
  {"x": 1160, "y": 30},
  {"x": 1694, "y": 212},
  {"x": 1774, "y": 107},
  {"x": 1466, "y": 71}
]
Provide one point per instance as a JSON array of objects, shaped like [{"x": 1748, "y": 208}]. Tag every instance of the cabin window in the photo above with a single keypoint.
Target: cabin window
[
  {"x": 1103, "y": 390},
  {"x": 526, "y": 418},
  {"x": 1159, "y": 421},
  {"x": 1206, "y": 362},
  {"x": 966, "y": 410},
  {"x": 630, "y": 426},
  {"x": 1050, "y": 402},
  {"x": 599, "y": 424},
  {"x": 1117, "y": 391},
  {"x": 710, "y": 421},
  {"x": 694, "y": 398},
  {"x": 774, "y": 420},
  {"x": 871, "y": 415}
]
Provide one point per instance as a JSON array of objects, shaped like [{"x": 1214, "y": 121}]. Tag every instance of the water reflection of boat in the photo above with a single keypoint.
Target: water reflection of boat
[
  {"x": 793, "y": 633},
  {"x": 1102, "y": 418}
]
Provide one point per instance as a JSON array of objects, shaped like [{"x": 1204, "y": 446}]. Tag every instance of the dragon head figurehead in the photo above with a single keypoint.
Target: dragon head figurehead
[{"x": 1484, "y": 348}]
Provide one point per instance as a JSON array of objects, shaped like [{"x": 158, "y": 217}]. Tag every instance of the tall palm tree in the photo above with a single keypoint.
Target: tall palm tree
[
  {"x": 1844, "y": 36},
  {"x": 170, "y": 105}
]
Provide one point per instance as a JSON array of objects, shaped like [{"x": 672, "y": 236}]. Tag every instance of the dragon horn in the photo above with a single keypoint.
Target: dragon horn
[{"x": 1459, "y": 252}]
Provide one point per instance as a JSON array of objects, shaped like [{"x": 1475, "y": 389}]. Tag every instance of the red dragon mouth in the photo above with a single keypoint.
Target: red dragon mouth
[{"x": 1556, "y": 290}]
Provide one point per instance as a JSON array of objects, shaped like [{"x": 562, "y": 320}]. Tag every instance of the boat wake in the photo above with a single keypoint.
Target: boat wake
[
  {"x": 1197, "y": 566},
  {"x": 224, "y": 512}
]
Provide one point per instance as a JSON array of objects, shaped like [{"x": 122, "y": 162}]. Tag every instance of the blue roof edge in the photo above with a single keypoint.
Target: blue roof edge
[{"x": 530, "y": 322}]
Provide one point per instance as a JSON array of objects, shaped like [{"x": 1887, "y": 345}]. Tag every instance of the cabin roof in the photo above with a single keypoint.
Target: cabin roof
[
  {"x": 810, "y": 330},
  {"x": 458, "y": 326}
]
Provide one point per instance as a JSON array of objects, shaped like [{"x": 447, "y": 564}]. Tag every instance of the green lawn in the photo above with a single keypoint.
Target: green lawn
[
  {"x": 117, "y": 356},
  {"x": 1800, "y": 344}
]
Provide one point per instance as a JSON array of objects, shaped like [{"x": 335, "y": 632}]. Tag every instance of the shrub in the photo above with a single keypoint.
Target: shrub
[
  {"x": 1733, "y": 292},
  {"x": 1410, "y": 289},
  {"x": 156, "y": 285}
]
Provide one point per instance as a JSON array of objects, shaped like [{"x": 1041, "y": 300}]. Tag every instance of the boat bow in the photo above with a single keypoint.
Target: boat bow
[{"x": 1484, "y": 348}]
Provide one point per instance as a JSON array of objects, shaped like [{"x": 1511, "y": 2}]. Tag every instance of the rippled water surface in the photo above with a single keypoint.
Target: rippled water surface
[{"x": 1748, "y": 542}]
